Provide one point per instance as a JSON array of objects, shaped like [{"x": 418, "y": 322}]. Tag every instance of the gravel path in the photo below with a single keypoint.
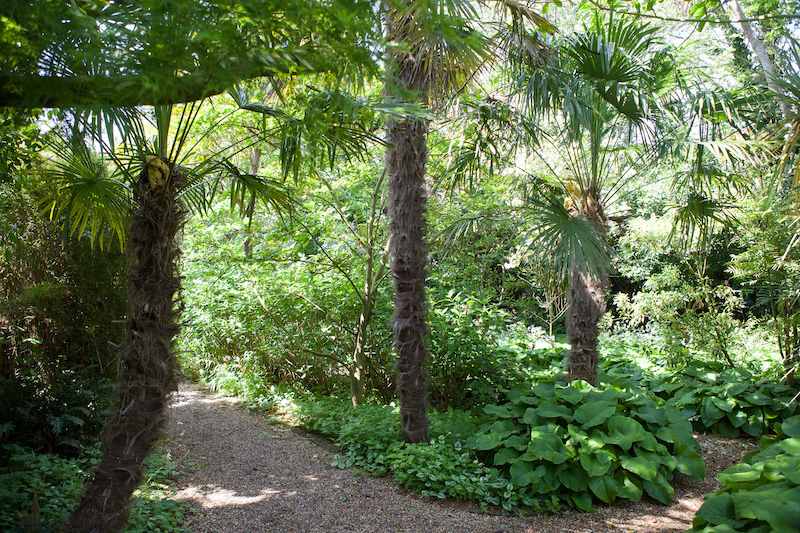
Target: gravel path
[{"x": 252, "y": 476}]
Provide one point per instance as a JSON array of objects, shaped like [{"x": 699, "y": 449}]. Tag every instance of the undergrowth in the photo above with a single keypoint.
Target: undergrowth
[{"x": 38, "y": 491}]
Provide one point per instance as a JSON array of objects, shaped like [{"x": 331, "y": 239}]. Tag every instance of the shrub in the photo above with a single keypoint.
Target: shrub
[
  {"x": 577, "y": 443},
  {"x": 761, "y": 494}
]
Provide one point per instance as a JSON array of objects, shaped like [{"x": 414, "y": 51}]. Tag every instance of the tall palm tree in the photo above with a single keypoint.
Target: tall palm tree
[
  {"x": 432, "y": 50},
  {"x": 142, "y": 197},
  {"x": 595, "y": 97},
  {"x": 609, "y": 82}
]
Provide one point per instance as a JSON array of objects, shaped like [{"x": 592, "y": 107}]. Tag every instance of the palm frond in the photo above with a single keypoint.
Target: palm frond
[
  {"x": 79, "y": 191},
  {"x": 567, "y": 243}
]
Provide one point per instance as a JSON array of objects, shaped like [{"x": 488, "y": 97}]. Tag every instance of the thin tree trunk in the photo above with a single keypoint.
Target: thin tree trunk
[
  {"x": 762, "y": 54},
  {"x": 148, "y": 367}
]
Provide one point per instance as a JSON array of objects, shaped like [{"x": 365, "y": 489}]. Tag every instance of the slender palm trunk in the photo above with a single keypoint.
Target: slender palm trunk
[
  {"x": 148, "y": 368},
  {"x": 406, "y": 159},
  {"x": 407, "y": 205},
  {"x": 586, "y": 303}
]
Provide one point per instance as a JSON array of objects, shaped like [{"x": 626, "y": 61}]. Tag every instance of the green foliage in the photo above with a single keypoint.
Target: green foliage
[
  {"x": 577, "y": 443},
  {"x": 729, "y": 402},
  {"x": 444, "y": 467},
  {"x": 465, "y": 366},
  {"x": 38, "y": 491},
  {"x": 760, "y": 494},
  {"x": 61, "y": 415}
]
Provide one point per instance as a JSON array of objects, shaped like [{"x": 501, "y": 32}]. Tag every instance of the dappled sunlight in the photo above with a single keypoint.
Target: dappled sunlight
[{"x": 208, "y": 496}]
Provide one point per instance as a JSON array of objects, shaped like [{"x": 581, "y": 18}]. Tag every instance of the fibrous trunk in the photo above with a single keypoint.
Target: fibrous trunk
[
  {"x": 148, "y": 368},
  {"x": 406, "y": 159},
  {"x": 407, "y": 200},
  {"x": 586, "y": 305}
]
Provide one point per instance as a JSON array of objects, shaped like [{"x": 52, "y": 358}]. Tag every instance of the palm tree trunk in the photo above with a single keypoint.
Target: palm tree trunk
[
  {"x": 586, "y": 305},
  {"x": 148, "y": 367},
  {"x": 406, "y": 159}
]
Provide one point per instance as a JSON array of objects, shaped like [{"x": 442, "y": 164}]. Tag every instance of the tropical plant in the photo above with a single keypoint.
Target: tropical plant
[{"x": 151, "y": 183}]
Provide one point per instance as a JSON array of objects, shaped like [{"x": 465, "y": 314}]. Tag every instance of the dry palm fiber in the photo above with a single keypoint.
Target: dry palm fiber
[{"x": 148, "y": 368}]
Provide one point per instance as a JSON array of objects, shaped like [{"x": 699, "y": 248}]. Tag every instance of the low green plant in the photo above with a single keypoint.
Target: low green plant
[
  {"x": 38, "y": 491},
  {"x": 443, "y": 468},
  {"x": 577, "y": 443},
  {"x": 761, "y": 494},
  {"x": 729, "y": 402}
]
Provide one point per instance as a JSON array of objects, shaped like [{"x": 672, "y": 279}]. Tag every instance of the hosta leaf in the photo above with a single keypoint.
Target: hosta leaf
[
  {"x": 629, "y": 488},
  {"x": 791, "y": 427},
  {"x": 489, "y": 441},
  {"x": 724, "y": 404},
  {"x": 595, "y": 465},
  {"x": 583, "y": 501},
  {"x": 690, "y": 462},
  {"x": 651, "y": 415},
  {"x": 718, "y": 509},
  {"x": 592, "y": 414},
  {"x": 758, "y": 398},
  {"x": 571, "y": 395},
  {"x": 501, "y": 411},
  {"x": 791, "y": 445},
  {"x": 780, "y": 513},
  {"x": 639, "y": 466},
  {"x": 737, "y": 418},
  {"x": 605, "y": 488},
  {"x": 575, "y": 479},
  {"x": 531, "y": 418},
  {"x": 553, "y": 410},
  {"x": 659, "y": 489},
  {"x": 738, "y": 473},
  {"x": 506, "y": 455},
  {"x": 523, "y": 473}
]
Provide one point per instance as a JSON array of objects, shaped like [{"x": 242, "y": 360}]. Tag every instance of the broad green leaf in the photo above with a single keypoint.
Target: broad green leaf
[
  {"x": 791, "y": 446},
  {"x": 718, "y": 509},
  {"x": 583, "y": 501},
  {"x": 659, "y": 489},
  {"x": 639, "y": 466},
  {"x": 738, "y": 473},
  {"x": 500, "y": 411},
  {"x": 506, "y": 455},
  {"x": 629, "y": 488},
  {"x": 517, "y": 441},
  {"x": 791, "y": 427},
  {"x": 737, "y": 418},
  {"x": 489, "y": 441},
  {"x": 605, "y": 488},
  {"x": 651, "y": 415},
  {"x": 595, "y": 464},
  {"x": 592, "y": 414},
  {"x": 553, "y": 410},
  {"x": 575, "y": 479},
  {"x": 724, "y": 404},
  {"x": 570, "y": 394},
  {"x": 782, "y": 513},
  {"x": 531, "y": 418},
  {"x": 523, "y": 473},
  {"x": 758, "y": 398},
  {"x": 690, "y": 462}
]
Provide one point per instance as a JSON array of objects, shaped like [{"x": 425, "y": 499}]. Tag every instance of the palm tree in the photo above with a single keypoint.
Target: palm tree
[
  {"x": 432, "y": 52},
  {"x": 609, "y": 84},
  {"x": 142, "y": 197},
  {"x": 599, "y": 91}
]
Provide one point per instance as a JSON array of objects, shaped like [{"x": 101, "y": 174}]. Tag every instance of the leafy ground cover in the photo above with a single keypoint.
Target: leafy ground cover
[{"x": 38, "y": 490}]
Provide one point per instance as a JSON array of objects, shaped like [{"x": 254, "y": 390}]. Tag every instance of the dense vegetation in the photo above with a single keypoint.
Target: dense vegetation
[{"x": 507, "y": 252}]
